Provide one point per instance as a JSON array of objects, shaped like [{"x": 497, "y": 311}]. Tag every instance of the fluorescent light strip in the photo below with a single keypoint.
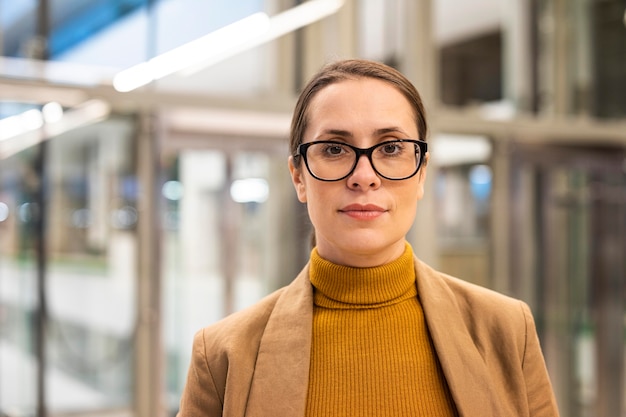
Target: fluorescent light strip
[
  {"x": 230, "y": 40},
  {"x": 302, "y": 15},
  {"x": 191, "y": 53},
  {"x": 16, "y": 125},
  {"x": 281, "y": 24},
  {"x": 30, "y": 120},
  {"x": 28, "y": 129}
]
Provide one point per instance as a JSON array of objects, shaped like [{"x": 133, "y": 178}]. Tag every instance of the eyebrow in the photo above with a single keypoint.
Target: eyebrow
[
  {"x": 336, "y": 132},
  {"x": 392, "y": 129},
  {"x": 348, "y": 134}
]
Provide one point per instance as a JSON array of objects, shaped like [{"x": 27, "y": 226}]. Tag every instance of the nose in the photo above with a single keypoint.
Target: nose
[{"x": 364, "y": 176}]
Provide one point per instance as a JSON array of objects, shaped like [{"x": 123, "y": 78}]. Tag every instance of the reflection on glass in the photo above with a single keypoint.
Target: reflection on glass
[
  {"x": 89, "y": 276},
  {"x": 4, "y": 211},
  {"x": 230, "y": 238},
  {"x": 250, "y": 190},
  {"x": 173, "y": 190},
  {"x": 463, "y": 185},
  {"x": 91, "y": 273},
  {"x": 18, "y": 371}
]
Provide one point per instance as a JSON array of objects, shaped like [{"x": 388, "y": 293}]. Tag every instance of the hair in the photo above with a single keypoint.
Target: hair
[{"x": 352, "y": 69}]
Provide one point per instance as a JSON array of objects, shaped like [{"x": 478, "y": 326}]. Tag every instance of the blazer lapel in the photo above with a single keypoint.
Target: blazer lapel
[
  {"x": 463, "y": 366},
  {"x": 280, "y": 382}
]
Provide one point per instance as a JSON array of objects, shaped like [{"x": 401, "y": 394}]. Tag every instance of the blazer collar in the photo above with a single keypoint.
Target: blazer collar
[
  {"x": 464, "y": 367},
  {"x": 280, "y": 381}
]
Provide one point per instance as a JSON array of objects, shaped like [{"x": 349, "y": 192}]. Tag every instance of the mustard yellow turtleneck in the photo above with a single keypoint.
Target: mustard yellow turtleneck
[{"x": 371, "y": 353}]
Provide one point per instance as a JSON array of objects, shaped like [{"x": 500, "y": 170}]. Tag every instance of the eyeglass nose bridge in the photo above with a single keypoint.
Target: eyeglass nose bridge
[{"x": 359, "y": 152}]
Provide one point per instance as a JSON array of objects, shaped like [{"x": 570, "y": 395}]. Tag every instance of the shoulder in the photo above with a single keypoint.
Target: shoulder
[
  {"x": 476, "y": 296},
  {"x": 229, "y": 347},
  {"x": 466, "y": 294},
  {"x": 486, "y": 314},
  {"x": 490, "y": 309},
  {"x": 225, "y": 353},
  {"x": 244, "y": 326},
  {"x": 240, "y": 333}
]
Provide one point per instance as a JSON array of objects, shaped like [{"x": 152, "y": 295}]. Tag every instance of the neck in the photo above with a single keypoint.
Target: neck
[
  {"x": 360, "y": 258},
  {"x": 341, "y": 286}
]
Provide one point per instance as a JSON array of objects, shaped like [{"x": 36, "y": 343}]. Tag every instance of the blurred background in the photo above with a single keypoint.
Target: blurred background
[{"x": 144, "y": 190}]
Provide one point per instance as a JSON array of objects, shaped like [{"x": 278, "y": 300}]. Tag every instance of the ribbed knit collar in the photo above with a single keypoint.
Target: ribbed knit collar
[{"x": 339, "y": 286}]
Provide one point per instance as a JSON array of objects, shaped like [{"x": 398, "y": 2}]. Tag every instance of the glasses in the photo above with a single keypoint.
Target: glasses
[{"x": 398, "y": 159}]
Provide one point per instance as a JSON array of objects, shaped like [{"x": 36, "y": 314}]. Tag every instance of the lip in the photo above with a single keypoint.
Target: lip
[{"x": 363, "y": 211}]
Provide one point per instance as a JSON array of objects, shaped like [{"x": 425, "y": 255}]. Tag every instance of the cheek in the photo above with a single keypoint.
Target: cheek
[
  {"x": 410, "y": 193},
  {"x": 408, "y": 198},
  {"x": 320, "y": 202},
  {"x": 315, "y": 195},
  {"x": 409, "y": 203}
]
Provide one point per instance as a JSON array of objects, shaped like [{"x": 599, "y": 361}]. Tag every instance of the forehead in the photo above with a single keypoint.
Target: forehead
[{"x": 362, "y": 101}]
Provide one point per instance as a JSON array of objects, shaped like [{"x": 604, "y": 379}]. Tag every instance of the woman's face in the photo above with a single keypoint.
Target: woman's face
[{"x": 363, "y": 219}]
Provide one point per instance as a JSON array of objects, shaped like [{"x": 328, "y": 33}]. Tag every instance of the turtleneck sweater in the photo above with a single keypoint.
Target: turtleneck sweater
[{"x": 371, "y": 353}]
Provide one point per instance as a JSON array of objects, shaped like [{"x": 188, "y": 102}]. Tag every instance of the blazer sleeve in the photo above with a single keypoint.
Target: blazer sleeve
[
  {"x": 200, "y": 397},
  {"x": 541, "y": 401}
]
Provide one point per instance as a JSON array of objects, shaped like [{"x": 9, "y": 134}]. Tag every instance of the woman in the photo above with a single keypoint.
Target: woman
[{"x": 367, "y": 329}]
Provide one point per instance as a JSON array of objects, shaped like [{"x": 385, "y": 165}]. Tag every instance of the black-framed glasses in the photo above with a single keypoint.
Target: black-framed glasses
[{"x": 329, "y": 160}]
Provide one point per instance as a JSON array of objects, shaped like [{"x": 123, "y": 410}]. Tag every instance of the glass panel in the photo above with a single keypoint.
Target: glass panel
[
  {"x": 91, "y": 273},
  {"x": 607, "y": 20},
  {"x": 579, "y": 57},
  {"x": 572, "y": 235},
  {"x": 232, "y": 236},
  {"x": 91, "y": 40},
  {"x": 17, "y": 27},
  {"x": 89, "y": 277},
  {"x": 471, "y": 43},
  {"x": 380, "y": 30},
  {"x": 463, "y": 199},
  {"x": 18, "y": 285}
]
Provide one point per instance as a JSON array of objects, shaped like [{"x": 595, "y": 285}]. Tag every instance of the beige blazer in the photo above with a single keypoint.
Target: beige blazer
[{"x": 256, "y": 361}]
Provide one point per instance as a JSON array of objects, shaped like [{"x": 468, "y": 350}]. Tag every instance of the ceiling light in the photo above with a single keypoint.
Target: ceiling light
[
  {"x": 192, "y": 53},
  {"x": 279, "y": 25},
  {"x": 230, "y": 40},
  {"x": 28, "y": 129},
  {"x": 52, "y": 112},
  {"x": 24, "y": 122}
]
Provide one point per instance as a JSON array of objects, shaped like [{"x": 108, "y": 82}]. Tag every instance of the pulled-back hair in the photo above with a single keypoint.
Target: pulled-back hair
[{"x": 353, "y": 69}]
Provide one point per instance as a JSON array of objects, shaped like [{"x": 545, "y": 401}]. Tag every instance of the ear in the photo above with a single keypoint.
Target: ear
[{"x": 298, "y": 180}]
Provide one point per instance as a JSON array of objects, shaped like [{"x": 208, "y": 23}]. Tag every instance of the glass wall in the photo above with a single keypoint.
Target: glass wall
[
  {"x": 18, "y": 284},
  {"x": 233, "y": 232},
  {"x": 580, "y": 57},
  {"x": 473, "y": 44},
  {"x": 94, "y": 39},
  {"x": 462, "y": 189},
  {"x": 88, "y": 303},
  {"x": 569, "y": 233},
  {"x": 545, "y": 57}
]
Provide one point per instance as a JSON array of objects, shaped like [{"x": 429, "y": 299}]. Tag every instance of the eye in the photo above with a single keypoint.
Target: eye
[
  {"x": 391, "y": 148},
  {"x": 334, "y": 149}
]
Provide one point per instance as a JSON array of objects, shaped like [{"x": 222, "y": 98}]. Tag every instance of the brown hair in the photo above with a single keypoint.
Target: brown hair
[{"x": 352, "y": 69}]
